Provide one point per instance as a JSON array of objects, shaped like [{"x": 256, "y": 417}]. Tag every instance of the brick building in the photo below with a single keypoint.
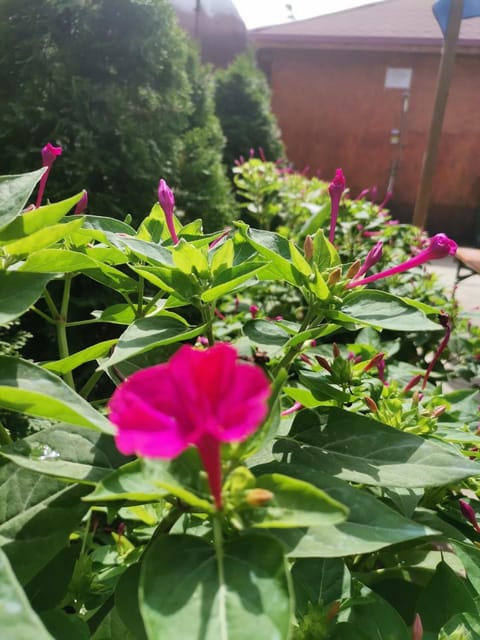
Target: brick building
[{"x": 355, "y": 89}]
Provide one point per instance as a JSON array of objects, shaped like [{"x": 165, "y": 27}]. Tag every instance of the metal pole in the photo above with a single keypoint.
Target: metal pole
[{"x": 443, "y": 85}]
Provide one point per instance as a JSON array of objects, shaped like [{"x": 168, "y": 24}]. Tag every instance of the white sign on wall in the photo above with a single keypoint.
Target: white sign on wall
[{"x": 397, "y": 78}]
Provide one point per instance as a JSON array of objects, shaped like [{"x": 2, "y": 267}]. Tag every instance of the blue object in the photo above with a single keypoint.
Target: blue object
[{"x": 441, "y": 11}]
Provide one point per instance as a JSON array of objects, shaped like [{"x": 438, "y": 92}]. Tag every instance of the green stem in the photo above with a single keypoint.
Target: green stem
[
  {"x": 285, "y": 362},
  {"x": 207, "y": 317},
  {"x": 80, "y": 323},
  {"x": 4, "y": 436},
  {"x": 141, "y": 289},
  {"x": 218, "y": 543},
  {"x": 51, "y": 305},
  {"x": 90, "y": 384},
  {"x": 152, "y": 302},
  {"x": 62, "y": 328},
  {"x": 43, "y": 315}
]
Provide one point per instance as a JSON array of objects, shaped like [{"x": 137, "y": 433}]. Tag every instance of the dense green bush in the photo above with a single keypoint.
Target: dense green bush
[
  {"x": 243, "y": 107},
  {"x": 116, "y": 83}
]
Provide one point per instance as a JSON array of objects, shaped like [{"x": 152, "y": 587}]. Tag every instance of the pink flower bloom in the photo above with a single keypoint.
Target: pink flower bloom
[
  {"x": 166, "y": 200},
  {"x": 440, "y": 246},
  {"x": 81, "y": 204},
  {"x": 201, "y": 398},
  {"x": 373, "y": 256},
  {"x": 335, "y": 189},
  {"x": 49, "y": 155}
]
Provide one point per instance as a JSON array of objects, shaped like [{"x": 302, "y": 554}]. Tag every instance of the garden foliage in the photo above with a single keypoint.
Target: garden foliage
[
  {"x": 116, "y": 83},
  {"x": 337, "y": 515}
]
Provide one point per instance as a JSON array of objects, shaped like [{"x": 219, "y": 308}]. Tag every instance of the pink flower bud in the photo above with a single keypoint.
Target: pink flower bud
[
  {"x": 469, "y": 514},
  {"x": 335, "y": 189},
  {"x": 166, "y": 200},
  {"x": 81, "y": 204},
  {"x": 417, "y": 628},
  {"x": 50, "y": 154}
]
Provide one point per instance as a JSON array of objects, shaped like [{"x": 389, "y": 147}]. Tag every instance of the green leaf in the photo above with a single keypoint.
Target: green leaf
[
  {"x": 230, "y": 279},
  {"x": 129, "y": 482},
  {"x": 171, "y": 280},
  {"x": 57, "y": 574},
  {"x": 127, "y": 604},
  {"x": 27, "y": 388},
  {"x": 64, "y": 625},
  {"x": 370, "y": 524},
  {"x": 64, "y": 261},
  {"x": 376, "y": 618},
  {"x": 467, "y": 623},
  {"x": 18, "y": 621},
  {"x": 18, "y": 292},
  {"x": 37, "y": 517},
  {"x": 267, "y": 335},
  {"x": 190, "y": 260},
  {"x": 63, "y": 366},
  {"x": 383, "y": 310},
  {"x": 319, "y": 581},
  {"x": 296, "y": 503},
  {"x": 321, "y": 389},
  {"x": 108, "y": 225},
  {"x": 325, "y": 255},
  {"x": 148, "y": 333},
  {"x": 221, "y": 257},
  {"x": 14, "y": 192},
  {"x": 469, "y": 554},
  {"x": 112, "y": 628},
  {"x": 31, "y": 221},
  {"x": 41, "y": 239},
  {"x": 358, "y": 449},
  {"x": 149, "y": 251},
  {"x": 183, "y": 594},
  {"x": 68, "y": 452},
  {"x": 444, "y": 596}
]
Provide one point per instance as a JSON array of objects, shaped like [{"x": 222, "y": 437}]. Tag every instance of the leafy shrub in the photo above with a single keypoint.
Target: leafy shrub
[
  {"x": 117, "y": 85},
  {"x": 242, "y": 101}
]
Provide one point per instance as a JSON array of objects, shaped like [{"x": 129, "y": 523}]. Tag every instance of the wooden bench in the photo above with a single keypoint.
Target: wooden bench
[{"x": 468, "y": 263}]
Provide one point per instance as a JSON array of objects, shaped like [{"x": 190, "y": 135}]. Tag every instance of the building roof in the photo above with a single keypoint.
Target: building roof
[{"x": 389, "y": 24}]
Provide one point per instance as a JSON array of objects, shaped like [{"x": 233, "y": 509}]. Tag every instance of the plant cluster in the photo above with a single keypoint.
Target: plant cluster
[{"x": 251, "y": 476}]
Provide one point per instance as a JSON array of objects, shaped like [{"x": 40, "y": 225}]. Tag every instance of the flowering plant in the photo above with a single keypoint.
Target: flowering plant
[{"x": 205, "y": 470}]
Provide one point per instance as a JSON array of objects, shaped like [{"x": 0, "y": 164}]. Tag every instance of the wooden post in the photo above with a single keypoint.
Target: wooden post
[{"x": 435, "y": 131}]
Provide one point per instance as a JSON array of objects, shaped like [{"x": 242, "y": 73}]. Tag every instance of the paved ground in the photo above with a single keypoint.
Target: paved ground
[{"x": 467, "y": 292}]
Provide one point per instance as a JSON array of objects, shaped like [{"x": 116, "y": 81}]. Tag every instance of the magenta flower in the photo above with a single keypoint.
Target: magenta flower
[
  {"x": 335, "y": 189},
  {"x": 440, "y": 246},
  {"x": 388, "y": 197},
  {"x": 469, "y": 514},
  {"x": 166, "y": 200},
  {"x": 296, "y": 406},
  {"x": 417, "y": 628},
  {"x": 373, "y": 256},
  {"x": 49, "y": 155},
  {"x": 199, "y": 397},
  {"x": 254, "y": 310},
  {"x": 363, "y": 194},
  {"x": 81, "y": 204}
]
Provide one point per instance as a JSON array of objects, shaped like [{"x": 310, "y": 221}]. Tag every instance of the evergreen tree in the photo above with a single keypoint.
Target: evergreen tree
[
  {"x": 114, "y": 82},
  {"x": 243, "y": 107}
]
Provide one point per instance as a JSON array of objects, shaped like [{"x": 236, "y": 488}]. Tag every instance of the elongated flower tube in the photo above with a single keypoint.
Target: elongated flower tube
[
  {"x": 49, "y": 155},
  {"x": 335, "y": 189},
  {"x": 373, "y": 256},
  {"x": 440, "y": 246},
  {"x": 199, "y": 397},
  {"x": 469, "y": 514},
  {"x": 166, "y": 200}
]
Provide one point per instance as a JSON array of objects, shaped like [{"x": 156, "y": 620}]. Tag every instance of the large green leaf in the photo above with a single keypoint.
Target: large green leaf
[
  {"x": 42, "y": 238},
  {"x": 370, "y": 524},
  {"x": 148, "y": 333},
  {"x": 383, "y": 310},
  {"x": 63, "y": 366},
  {"x": 37, "y": 515},
  {"x": 27, "y": 388},
  {"x": 374, "y": 618},
  {"x": 231, "y": 279},
  {"x": 319, "y": 580},
  {"x": 184, "y": 595},
  {"x": 31, "y": 221},
  {"x": 469, "y": 554},
  {"x": 18, "y": 621},
  {"x": 18, "y": 292},
  {"x": 64, "y": 261},
  {"x": 359, "y": 449},
  {"x": 69, "y": 452},
  {"x": 14, "y": 193},
  {"x": 444, "y": 596},
  {"x": 296, "y": 503}
]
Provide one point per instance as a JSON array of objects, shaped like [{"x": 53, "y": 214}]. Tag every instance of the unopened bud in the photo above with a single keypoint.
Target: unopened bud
[
  {"x": 308, "y": 248},
  {"x": 374, "y": 362},
  {"x": 436, "y": 413},
  {"x": 333, "y": 611},
  {"x": 334, "y": 276},
  {"x": 353, "y": 269},
  {"x": 413, "y": 382},
  {"x": 469, "y": 514},
  {"x": 417, "y": 628},
  {"x": 258, "y": 497},
  {"x": 335, "y": 350},
  {"x": 323, "y": 362},
  {"x": 371, "y": 404}
]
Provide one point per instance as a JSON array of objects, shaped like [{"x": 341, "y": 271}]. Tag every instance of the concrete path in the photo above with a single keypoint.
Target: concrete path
[{"x": 467, "y": 292}]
